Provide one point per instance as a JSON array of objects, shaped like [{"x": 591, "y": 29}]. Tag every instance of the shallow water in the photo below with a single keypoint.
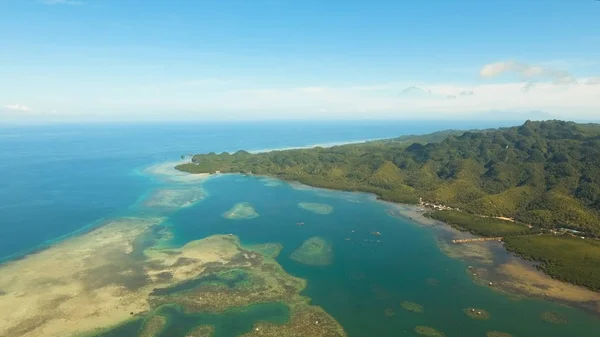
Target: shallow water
[
  {"x": 56, "y": 183},
  {"x": 233, "y": 322},
  {"x": 366, "y": 278},
  {"x": 58, "y": 179}
]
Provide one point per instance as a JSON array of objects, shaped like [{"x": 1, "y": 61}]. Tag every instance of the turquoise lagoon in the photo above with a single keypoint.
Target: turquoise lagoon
[
  {"x": 368, "y": 277},
  {"x": 54, "y": 185}
]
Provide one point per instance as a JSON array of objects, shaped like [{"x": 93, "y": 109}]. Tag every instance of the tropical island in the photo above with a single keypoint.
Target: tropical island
[{"x": 534, "y": 186}]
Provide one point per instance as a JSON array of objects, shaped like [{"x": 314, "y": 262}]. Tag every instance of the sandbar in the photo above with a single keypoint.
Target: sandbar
[
  {"x": 497, "y": 334},
  {"x": 271, "y": 182},
  {"x": 99, "y": 279},
  {"x": 412, "y": 307},
  {"x": 202, "y": 331},
  {"x": 316, "y": 208},
  {"x": 175, "y": 198},
  {"x": 553, "y": 317},
  {"x": 166, "y": 171},
  {"x": 478, "y": 252},
  {"x": 521, "y": 278},
  {"x": 316, "y": 251},
  {"x": 241, "y": 211},
  {"x": 412, "y": 212},
  {"x": 153, "y": 326},
  {"x": 428, "y": 331}
]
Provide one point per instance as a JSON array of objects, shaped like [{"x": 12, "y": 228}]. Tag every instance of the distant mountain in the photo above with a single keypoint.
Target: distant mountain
[
  {"x": 415, "y": 92},
  {"x": 515, "y": 116}
]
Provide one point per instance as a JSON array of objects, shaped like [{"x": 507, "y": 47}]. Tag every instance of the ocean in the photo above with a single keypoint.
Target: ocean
[{"x": 58, "y": 181}]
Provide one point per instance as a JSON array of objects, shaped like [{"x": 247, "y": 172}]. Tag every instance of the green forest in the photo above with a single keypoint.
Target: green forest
[
  {"x": 542, "y": 173},
  {"x": 545, "y": 174}
]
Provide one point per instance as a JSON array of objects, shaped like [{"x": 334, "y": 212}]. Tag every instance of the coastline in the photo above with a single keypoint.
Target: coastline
[
  {"x": 492, "y": 265},
  {"x": 162, "y": 171},
  {"x": 166, "y": 171},
  {"x": 510, "y": 274},
  {"x": 324, "y": 145},
  {"x": 123, "y": 239},
  {"x": 47, "y": 244},
  {"x": 105, "y": 276}
]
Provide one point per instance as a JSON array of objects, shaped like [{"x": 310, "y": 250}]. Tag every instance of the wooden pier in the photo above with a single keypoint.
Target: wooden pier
[{"x": 477, "y": 240}]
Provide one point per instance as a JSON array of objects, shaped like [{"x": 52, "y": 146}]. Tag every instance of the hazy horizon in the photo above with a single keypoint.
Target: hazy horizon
[{"x": 493, "y": 123}]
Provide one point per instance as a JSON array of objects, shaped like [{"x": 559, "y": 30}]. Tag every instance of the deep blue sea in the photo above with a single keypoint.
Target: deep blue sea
[{"x": 58, "y": 179}]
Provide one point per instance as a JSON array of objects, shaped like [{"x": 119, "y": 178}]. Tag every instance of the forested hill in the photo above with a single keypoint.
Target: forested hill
[{"x": 542, "y": 173}]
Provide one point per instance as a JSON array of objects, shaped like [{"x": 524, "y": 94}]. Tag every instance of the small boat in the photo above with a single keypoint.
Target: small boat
[
  {"x": 376, "y": 233},
  {"x": 299, "y": 223}
]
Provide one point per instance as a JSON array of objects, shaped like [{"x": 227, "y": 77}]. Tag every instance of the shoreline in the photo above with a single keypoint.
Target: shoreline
[
  {"x": 162, "y": 171},
  {"x": 49, "y": 243},
  {"x": 323, "y": 145},
  {"x": 120, "y": 242},
  {"x": 495, "y": 267},
  {"x": 521, "y": 277}
]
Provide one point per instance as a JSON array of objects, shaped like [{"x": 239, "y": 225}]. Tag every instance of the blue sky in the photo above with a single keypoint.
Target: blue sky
[{"x": 149, "y": 60}]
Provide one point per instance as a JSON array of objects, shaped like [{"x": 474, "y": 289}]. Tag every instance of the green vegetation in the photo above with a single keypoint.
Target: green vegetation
[
  {"x": 541, "y": 173},
  {"x": 545, "y": 174},
  {"x": 566, "y": 258},
  {"x": 412, "y": 307},
  {"x": 554, "y": 318},
  {"x": 481, "y": 225},
  {"x": 428, "y": 331},
  {"x": 434, "y": 137}
]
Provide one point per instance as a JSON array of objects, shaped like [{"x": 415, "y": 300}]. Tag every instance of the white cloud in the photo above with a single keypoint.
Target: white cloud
[
  {"x": 593, "y": 80},
  {"x": 17, "y": 107},
  {"x": 526, "y": 71},
  {"x": 381, "y": 101},
  {"x": 251, "y": 99}
]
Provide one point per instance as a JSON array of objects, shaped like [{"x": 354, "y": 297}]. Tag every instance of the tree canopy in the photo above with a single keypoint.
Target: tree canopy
[{"x": 542, "y": 173}]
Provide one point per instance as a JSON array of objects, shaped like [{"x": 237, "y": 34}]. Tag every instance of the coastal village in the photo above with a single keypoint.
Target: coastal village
[{"x": 423, "y": 206}]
